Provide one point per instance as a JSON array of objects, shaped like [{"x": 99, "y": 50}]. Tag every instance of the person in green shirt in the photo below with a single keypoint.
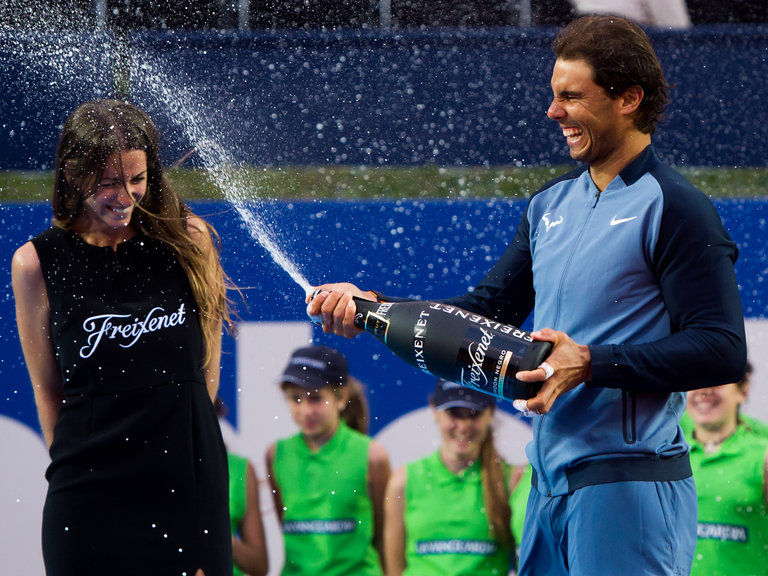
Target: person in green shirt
[
  {"x": 328, "y": 480},
  {"x": 449, "y": 514},
  {"x": 729, "y": 458}
]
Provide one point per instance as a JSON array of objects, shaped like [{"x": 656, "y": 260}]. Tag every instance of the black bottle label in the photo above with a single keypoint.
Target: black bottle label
[
  {"x": 377, "y": 323},
  {"x": 485, "y": 366}
]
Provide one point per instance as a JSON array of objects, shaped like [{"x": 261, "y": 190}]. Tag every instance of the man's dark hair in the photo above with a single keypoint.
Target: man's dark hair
[{"x": 621, "y": 56}]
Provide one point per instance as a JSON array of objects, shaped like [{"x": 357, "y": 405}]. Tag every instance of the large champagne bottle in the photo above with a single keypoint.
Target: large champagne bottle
[{"x": 455, "y": 344}]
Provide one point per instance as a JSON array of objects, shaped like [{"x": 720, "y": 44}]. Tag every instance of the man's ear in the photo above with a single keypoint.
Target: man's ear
[
  {"x": 745, "y": 387},
  {"x": 342, "y": 397},
  {"x": 631, "y": 99}
]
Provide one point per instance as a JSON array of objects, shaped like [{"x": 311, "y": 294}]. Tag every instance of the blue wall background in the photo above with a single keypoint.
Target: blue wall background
[
  {"x": 424, "y": 249},
  {"x": 451, "y": 97}
]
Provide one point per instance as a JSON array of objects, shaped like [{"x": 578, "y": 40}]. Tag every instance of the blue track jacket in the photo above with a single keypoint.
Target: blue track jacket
[{"x": 642, "y": 272}]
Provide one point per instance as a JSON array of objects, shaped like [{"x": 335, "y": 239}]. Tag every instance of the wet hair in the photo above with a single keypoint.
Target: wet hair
[
  {"x": 621, "y": 56},
  {"x": 355, "y": 413},
  {"x": 93, "y": 133},
  {"x": 496, "y": 490}
]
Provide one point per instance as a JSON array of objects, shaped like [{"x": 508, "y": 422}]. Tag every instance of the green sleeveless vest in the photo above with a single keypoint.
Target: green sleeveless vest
[
  {"x": 327, "y": 514},
  {"x": 733, "y": 521},
  {"x": 447, "y": 530},
  {"x": 238, "y": 467}
]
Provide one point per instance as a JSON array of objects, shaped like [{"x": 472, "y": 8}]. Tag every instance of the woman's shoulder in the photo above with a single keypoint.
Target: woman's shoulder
[
  {"x": 199, "y": 231},
  {"x": 26, "y": 255},
  {"x": 27, "y": 258},
  {"x": 29, "y": 290},
  {"x": 377, "y": 454},
  {"x": 25, "y": 266},
  {"x": 397, "y": 481}
]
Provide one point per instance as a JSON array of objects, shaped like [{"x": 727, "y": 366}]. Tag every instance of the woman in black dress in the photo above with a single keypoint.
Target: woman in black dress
[{"x": 120, "y": 306}]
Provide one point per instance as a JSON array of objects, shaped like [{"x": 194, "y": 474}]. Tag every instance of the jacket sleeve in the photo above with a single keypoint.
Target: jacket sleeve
[{"x": 693, "y": 261}]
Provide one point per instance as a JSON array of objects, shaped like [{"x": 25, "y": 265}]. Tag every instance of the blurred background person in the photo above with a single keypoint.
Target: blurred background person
[
  {"x": 249, "y": 548},
  {"x": 449, "y": 514},
  {"x": 328, "y": 480},
  {"x": 729, "y": 457}
]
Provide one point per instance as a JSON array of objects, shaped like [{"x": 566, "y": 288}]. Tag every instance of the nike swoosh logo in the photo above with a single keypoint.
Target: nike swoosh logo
[{"x": 615, "y": 220}]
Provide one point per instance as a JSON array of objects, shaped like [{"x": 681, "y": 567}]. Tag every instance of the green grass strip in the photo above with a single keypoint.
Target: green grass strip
[{"x": 382, "y": 183}]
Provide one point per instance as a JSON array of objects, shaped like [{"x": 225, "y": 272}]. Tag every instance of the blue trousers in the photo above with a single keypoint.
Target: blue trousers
[{"x": 627, "y": 528}]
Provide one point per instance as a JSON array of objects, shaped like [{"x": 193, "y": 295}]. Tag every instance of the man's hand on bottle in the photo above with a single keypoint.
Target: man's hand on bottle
[
  {"x": 570, "y": 364},
  {"x": 332, "y": 304}
]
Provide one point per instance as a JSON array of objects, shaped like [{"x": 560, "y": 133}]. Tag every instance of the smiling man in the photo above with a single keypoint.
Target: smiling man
[{"x": 629, "y": 272}]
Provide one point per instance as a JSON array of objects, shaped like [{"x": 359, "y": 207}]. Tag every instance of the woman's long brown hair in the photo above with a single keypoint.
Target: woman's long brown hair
[
  {"x": 91, "y": 135},
  {"x": 496, "y": 491}
]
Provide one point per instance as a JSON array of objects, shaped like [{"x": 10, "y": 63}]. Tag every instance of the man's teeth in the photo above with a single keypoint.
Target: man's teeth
[{"x": 571, "y": 132}]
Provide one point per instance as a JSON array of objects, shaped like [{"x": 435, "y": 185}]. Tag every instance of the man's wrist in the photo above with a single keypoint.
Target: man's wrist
[{"x": 586, "y": 355}]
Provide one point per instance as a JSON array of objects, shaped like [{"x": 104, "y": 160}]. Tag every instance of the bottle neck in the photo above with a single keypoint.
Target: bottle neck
[{"x": 369, "y": 318}]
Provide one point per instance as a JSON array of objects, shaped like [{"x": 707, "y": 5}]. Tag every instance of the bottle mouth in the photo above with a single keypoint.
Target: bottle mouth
[
  {"x": 315, "y": 293},
  {"x": 314, "y": 318}
]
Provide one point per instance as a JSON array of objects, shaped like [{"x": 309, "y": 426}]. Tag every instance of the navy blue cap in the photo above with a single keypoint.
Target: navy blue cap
[
  {"x": 315, "y": 367},
  {"x": 449, "y": 394}
]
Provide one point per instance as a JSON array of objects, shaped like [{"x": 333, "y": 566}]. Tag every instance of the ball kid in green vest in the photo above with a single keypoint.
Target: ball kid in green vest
[{"x": 328, "y": 480}]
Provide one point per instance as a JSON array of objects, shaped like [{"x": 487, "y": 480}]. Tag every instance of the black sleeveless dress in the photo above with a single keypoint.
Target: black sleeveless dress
[{"x": 138, "y": 477}]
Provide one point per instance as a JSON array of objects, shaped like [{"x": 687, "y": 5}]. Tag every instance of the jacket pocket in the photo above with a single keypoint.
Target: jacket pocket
[{"x": 628, "y": 416}]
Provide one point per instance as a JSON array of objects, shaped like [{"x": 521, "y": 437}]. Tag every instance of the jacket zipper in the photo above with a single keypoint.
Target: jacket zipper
[{"x": 576, "y": 243}]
